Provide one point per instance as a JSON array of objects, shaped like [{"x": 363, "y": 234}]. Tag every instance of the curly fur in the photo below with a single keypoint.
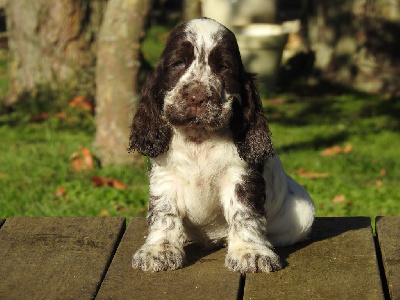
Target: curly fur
[{"x": 215, "y": 176}]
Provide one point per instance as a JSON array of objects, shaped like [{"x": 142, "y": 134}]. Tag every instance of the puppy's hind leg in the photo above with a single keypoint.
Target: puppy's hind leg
[{"x": 294, "y": 220}]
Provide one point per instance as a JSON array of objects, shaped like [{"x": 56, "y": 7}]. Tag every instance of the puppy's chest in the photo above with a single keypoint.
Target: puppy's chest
[
  {"x": 199, "y": 192},
  {"x": 200, "y": 172},
  {"x": 199, "y": 199}
]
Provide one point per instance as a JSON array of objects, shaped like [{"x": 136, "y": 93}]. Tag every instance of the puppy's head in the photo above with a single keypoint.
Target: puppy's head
[{"x": 200, "y": 86}]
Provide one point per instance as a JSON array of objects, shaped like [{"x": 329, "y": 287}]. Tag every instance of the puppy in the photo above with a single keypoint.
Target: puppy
[{"x": 215, "y": 177}]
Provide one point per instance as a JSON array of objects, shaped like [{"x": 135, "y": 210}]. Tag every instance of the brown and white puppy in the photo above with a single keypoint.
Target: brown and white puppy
[{"x": 215, "y": 176}]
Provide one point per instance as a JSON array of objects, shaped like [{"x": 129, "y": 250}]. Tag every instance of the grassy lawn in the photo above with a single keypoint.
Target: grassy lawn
[
  {"x": 343, "y": 147},
  {"x": 37, "y": 179},
  {"x": 340, "y": 144}
]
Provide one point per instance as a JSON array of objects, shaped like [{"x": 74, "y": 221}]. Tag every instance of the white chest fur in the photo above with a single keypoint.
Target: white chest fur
[{"x": 192, "y": 176}]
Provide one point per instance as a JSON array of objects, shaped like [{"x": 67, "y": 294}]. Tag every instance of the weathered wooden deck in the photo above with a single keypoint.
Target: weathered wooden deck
[{"x": 84, "y": 258}]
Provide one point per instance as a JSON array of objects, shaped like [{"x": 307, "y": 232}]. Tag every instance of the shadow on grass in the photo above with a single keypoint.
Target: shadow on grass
[
  {"x": 326, "y": 100},
  {"x": 317, "y": 143},
  {"x": 327, "y": 105}
]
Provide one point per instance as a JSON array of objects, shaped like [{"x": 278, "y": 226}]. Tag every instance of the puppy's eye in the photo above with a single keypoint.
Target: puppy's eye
[
  {"x": 223, "y": 67},
  {"x": 179, "y": 64}
]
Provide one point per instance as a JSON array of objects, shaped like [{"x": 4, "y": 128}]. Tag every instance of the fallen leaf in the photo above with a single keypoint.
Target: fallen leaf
[
  {"x": 311, "y": 175},
  {"x": 104, "y": 213},
  {"x": 119, "y": 185},
  {"x": 44, "y": 116},
  {"x": 61, "y": 192},
  {"x": 276, "y": 100},
  {"x": 82, "y": 102},
  {"x": 379, "y": 184},
  {"x": 114, "y": 183},
  {"x": 276, "y": 116},
  {"x": 40, "y": 118},
  {"x": 338, "y": 199},
  {"x": 119, "y": 207},
  {"x": 335, "y": 150},
  {"x": 87, "y": 157},
  {"x": 82, "y": 160},
  {"x": 60, "y": 115},
  {"x": 347, "y": 149}
]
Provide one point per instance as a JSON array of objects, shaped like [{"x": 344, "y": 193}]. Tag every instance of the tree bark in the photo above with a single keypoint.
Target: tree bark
[
  {"x": 191, "y": 9},
  {"x": 52, "y": 43},
  {"x": 118, "y": 64}
]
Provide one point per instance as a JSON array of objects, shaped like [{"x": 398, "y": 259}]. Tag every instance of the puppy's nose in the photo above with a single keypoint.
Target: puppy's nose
[{"x": 196, "y": 97}]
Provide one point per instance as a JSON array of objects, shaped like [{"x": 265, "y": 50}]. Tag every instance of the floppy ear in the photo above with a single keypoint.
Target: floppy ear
[
  {"x": 150, "y": 134},
  {"x": 250, "y": 129}
]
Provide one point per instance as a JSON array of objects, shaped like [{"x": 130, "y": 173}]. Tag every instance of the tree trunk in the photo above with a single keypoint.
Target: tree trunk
[
  {"x": 118, "y": 63},
  {"x": 191, "y": 9},
  {"x": 51, "y": 43}
]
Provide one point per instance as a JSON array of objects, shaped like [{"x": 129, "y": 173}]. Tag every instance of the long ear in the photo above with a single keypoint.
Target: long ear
[
  {"x": 150, "y": 134},
  {"x": 250, "y": 129}
]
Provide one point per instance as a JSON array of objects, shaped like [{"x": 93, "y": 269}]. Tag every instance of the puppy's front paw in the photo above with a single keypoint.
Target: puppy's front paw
[
  {"x": 158, "y": 258},
  {"x": 253, "y": 260}
]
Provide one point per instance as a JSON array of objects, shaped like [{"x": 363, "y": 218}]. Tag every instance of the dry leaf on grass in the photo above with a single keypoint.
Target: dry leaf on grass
[
  {"x": 82, "y": 160},
  {"x": 114, "y": 183},
  {"x": 335, "y": 150},
  {"x": 82, "y": 102},
  {"x": 339, "y": 199},
  {"x": 104, "y": 213},
  {"x": 40, "y": 118},
  {"x": 311, "y": 175},
  {"x": 378, "y": 184},
  {"x": 60, "y": 192},
  {"x": 120, "y": 208},
  {"x": 44, "y": 116}
]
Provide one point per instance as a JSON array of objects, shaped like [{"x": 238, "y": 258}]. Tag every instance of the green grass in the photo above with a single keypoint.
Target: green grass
[
  {"x": 367, "y": 176},
  {"x": 35, "y": 156},
  {"x": 35, "y": 163},
  {"x": 3, "y": 73},
  {"x": 154, "y": 42}
]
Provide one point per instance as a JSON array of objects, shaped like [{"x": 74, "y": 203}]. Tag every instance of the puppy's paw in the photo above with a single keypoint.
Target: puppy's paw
[
  {"x": 158, "y": 258},
  {"x": 253, "y": 260}
]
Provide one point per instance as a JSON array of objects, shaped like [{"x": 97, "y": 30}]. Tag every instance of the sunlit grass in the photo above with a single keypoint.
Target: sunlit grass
[
  {"x": 363, "y": 181},
  {"x": 35, "y": 159},
  {"x": 35, "y": 164},
  {"x": 35, "y": 156}
]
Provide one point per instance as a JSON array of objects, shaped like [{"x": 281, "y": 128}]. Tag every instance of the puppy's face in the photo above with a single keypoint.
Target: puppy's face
[
  {"x": 203, "y": 73},
  {"x": 200, "y": 87}
]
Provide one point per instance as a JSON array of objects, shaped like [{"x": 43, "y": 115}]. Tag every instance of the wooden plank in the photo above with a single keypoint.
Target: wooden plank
[
  {"x": 56, "y": 258},
  {"x": 388, "y": 234},
  {"x": 338, "y": 262},
  {"x": 204, "y": 276}
]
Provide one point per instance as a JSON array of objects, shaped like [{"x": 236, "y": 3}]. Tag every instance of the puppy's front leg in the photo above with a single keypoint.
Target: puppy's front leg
[
  {"x": 248, "y": 248},
  {"x": 163, "y": 249}
]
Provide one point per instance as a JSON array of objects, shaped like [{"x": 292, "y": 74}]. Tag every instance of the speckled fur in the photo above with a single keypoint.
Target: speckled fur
[{"x": 215, "y": 176}]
